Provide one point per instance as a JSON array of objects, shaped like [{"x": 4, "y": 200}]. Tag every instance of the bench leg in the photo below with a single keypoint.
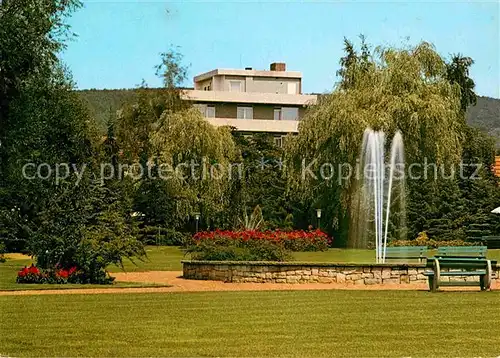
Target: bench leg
[
  {"x": 482, "y": 282},
  {"x": 433, "y": 283},
  {"x": 489, "y": 275},
  {"x": 436, "y": 276}
]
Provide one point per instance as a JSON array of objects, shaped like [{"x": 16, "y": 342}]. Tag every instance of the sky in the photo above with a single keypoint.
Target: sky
[{"x": 118, "y": 43}]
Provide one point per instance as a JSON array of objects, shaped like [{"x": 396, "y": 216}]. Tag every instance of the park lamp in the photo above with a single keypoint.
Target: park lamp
[
  {"x": 197, "y": 217},
  {"x": 318, "y": 216}
]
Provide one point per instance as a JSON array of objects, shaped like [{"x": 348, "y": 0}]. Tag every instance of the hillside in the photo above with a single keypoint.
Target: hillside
[
  {"x": 485, "y": 115},
  {"x": 104, "y": 103}
]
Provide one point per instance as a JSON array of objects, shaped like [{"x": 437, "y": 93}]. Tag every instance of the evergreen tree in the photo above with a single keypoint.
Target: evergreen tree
[
  {"x": 67, "y": 217},
  {"x": 263, "y": 181}
]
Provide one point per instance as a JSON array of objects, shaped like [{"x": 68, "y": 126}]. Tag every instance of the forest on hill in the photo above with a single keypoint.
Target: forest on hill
[
  {"x": 485, "y": 115},
  {"x": 103, "y": 104}
]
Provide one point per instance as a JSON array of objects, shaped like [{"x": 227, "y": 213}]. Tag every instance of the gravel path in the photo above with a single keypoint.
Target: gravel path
[{"x": 181, "y": 285}]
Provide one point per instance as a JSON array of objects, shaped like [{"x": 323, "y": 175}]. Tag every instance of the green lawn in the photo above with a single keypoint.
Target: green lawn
[
  {"x": 287, "y": 323},
  {"x": 336, "y": 255},
  {"x": 159, "y": 258}
]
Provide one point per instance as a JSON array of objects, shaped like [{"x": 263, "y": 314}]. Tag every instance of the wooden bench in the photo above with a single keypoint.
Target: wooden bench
[
  {"x": 406, "y": 252},
  {"x": 460, "y": 261},
  {"x": 478, "y": 252}
]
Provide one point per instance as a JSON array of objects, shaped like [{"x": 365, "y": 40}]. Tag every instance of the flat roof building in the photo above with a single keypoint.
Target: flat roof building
[{"x": 252, "y": 100}]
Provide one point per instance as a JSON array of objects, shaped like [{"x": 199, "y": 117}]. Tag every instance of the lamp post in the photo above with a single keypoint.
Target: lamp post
[
  {"x": 197, "y": 218},
  {"x": 318, "y": 216}
]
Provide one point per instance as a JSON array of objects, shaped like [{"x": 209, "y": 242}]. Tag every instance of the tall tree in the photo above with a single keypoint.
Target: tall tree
[
  {"x": 56, "y": 208},
  {"x": 457, "y": 72},
  {"x": 32, "y": 32},
  {"x": 353, "y": 61},
  {"x": 262, "y": 183},
  {"x": 161, "y": 130}
]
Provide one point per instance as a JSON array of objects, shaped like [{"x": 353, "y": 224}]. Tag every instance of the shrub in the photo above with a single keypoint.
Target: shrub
[
  {"x": 174, "y": 238},
  {"x": 103, "y": 242},
  {"x": 230, "y": 250},
  {"x": 154, "y": 235},
  {"x": 34, "y": 274},
  {"x": 423, "y": 240},
  {"x": 253, "y": 245},
  {"x": 253, "y": 222}
]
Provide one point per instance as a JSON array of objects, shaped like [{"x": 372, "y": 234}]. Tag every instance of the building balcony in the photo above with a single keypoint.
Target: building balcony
[
  {"x": 257, "y": 125},
  {"x": 249, "y": 97}
]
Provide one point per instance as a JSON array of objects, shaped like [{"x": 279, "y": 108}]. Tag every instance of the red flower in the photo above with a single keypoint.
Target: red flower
[
  {"x": 63, "y": 273},
  {"x": 304, "y": 239},
  {"x": 72, "y": 270},
  {"x": 23, "y": 272},
  {"x": 33, "y": 270}
]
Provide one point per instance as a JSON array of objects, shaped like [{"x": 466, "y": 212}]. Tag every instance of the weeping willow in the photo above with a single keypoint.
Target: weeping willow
[
  {"x": 168, "y": 135},
  {"x": 392, "y": 89},
  {"x": 185, "y": 137}
]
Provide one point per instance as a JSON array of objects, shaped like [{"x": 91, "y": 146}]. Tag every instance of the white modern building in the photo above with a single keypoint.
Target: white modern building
[{"x": 252, "y": 100}]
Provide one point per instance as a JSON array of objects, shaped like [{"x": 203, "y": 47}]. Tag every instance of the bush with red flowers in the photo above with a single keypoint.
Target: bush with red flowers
[
  {"x": 253, "y": 245},
  {"x": 298, "y": 240},
  {"x": 30, "y": 275},
  {"x": 59, "y": 275}
]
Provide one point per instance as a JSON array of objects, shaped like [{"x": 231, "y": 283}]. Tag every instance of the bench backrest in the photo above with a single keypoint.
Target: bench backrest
[
  {"x": 466, "y": 263},
  {"x": 462, "y": 251},
  {"x": 406, "y": 252},
  {"x": 490, "y": 238}
]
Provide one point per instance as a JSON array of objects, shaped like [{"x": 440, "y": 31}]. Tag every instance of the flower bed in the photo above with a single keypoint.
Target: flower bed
[
  {"x": 251, "y": 245},
  {"x": 298, "y": 240},
  {"x": 33, "y": 274}
]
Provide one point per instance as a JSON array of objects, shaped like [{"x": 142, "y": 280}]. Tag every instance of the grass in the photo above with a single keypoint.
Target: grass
[
  {"x": 243, "y": 324},
  {"x": 159, "y": 258},
  {"x": 336, "y": 255}
]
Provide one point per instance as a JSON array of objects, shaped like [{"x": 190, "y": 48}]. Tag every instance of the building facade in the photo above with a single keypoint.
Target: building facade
[{"x": 252, "y": 100}]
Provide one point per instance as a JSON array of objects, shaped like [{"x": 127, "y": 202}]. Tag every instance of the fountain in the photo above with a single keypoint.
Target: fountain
[{"x": 380, "y": 193}]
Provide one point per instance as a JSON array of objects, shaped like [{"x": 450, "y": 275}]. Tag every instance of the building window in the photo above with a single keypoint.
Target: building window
[
  {"x": 278, "y": 141},
  {"x": 235, "y": 86},
  {"x": 290, "y": 114},
  {"x": 277, "y": 114},
  {"x": 292, "y": 87},
  {"x": 244, "y": 113},
  {"x": 210, "y": 112},
  {"x": 206, "y": 111}
]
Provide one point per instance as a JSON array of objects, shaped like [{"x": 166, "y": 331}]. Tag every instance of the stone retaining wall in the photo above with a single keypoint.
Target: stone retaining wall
[{"x": 297, "y": 272}]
